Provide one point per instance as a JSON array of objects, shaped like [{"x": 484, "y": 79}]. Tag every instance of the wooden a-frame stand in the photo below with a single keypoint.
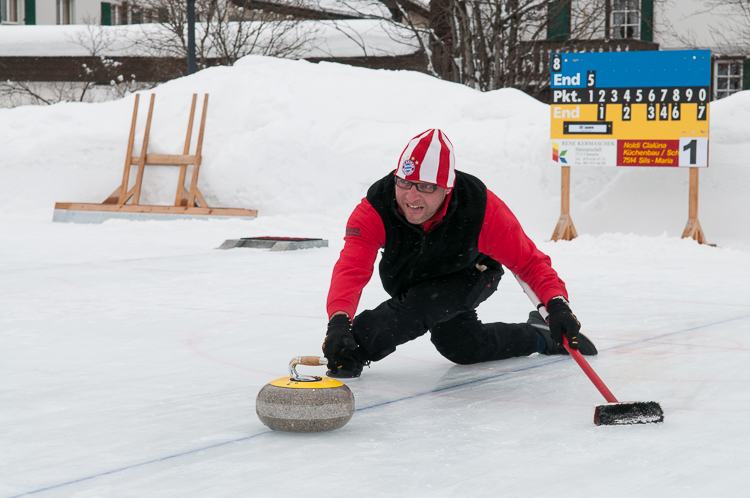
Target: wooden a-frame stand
[
  {"x": 188, "y": 203},
  {"x": 566, "y": 231}
]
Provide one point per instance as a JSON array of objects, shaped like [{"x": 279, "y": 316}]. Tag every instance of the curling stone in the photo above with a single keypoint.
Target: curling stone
[{"x": 305, "y": 403}]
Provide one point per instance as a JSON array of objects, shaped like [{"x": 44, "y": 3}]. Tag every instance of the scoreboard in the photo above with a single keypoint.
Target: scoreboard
[{"x": 630, "y": 108}]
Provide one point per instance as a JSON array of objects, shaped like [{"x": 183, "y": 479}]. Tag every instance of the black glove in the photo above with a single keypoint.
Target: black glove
[
  {"x": 339, "y": 342},
  {"x": 562, "y": 320}
]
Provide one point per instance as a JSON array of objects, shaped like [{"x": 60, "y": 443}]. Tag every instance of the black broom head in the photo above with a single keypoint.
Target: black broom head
[{"x": 629, "y": 413}]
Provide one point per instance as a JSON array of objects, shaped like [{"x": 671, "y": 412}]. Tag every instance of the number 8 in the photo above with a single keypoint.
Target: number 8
[{"x": 676, "y": 95}]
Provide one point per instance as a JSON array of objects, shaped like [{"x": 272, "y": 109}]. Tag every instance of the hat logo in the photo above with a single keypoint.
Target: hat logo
[{"x": 408, "y": 167}]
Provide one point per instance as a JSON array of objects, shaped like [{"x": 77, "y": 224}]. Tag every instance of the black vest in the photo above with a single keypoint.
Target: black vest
[{"x": 411, "y": 256}]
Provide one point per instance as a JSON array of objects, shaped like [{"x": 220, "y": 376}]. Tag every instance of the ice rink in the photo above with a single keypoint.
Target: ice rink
[{"x": 133, "y": 352}]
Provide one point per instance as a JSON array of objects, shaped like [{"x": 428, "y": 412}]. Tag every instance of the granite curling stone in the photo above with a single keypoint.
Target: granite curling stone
[{"x": 302, "y": 403}]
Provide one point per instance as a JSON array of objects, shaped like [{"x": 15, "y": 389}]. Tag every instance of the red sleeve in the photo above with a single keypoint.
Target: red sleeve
[
  {"x": 503, "y": 239},
  {"x": 365, "y": 235}
]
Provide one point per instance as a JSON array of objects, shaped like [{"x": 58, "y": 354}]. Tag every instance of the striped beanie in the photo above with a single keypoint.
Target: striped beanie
[{"x": 428, "y": 158}]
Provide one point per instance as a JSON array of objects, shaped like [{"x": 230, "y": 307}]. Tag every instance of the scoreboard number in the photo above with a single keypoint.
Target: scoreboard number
[
  {"x": 643, "y": 95},
  {"x": 663, "y": 112},
  {"x": 701, "y": 112},
  {"x": 556, "y": 63},
  {"x": 693, "y": 151}
]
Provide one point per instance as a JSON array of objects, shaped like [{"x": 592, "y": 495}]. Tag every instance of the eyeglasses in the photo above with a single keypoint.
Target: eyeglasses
[{"x": 425, "y": 188}]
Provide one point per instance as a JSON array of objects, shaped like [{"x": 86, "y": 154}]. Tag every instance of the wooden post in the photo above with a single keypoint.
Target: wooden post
[
  {"x": 144, "y": 148},
  {"x": 693, "y": 228},
  {"x": 128, "y": 159},
  {"x": 196, "y": 166},
  {"x": 181, "y": 199},
  {"x": 565, "y": 229}
]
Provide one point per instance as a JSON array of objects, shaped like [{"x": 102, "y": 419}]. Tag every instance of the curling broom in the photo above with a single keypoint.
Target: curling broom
[{"x": 614, "y": 412}]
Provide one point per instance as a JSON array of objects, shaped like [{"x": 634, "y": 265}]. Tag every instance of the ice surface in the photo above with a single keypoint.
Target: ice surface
[{"x": 132, "y": 352}]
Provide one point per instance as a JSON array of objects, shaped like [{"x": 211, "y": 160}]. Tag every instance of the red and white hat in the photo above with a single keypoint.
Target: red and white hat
[{"x": 428, "y": 158}]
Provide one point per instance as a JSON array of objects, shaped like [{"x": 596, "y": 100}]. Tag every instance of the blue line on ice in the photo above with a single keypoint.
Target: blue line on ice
[
  {"x": 189, "y": 452},
  {"x": 475, "y": 381}
]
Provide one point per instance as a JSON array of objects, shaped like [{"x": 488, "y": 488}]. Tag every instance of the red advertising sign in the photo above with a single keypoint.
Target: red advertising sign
[{"x": 648, "y": 152}]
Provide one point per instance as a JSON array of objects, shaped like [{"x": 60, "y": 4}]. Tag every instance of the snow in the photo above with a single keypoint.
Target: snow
[
  {"x": 132, "y": 352},
  {"x": 348, "y": 38}
]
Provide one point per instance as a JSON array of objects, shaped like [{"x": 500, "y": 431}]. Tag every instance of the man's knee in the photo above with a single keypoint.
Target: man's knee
[
  {"x": 456, "y": 340},
  {"x": 461, "y": 354}
]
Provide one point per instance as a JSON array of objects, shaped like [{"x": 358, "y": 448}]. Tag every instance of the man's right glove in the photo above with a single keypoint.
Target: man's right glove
[
  {"x": 561, "y": 321},
  {"x": 339, "y": 342}
]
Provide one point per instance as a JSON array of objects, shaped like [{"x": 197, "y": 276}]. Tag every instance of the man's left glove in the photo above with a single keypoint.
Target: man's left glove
[
  {"x": 339, "y": 342},
  {"x": 562, "y": 321}
]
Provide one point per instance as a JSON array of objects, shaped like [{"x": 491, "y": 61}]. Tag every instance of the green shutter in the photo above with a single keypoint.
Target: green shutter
[
  {"x": 746, "y": 74},
  {"x": 30, "y": 12},
  {"x": 106, "y": 14},
  {"x": 647, "y": 20},
  {"x": 558, "y": 27}
]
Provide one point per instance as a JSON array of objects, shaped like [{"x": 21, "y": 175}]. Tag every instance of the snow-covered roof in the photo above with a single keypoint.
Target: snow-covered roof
[{"x": 350, "y": 38}]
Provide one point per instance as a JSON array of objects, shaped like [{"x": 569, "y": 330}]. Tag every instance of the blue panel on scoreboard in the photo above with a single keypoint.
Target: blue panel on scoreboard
[{"x": 678, "y": 68}]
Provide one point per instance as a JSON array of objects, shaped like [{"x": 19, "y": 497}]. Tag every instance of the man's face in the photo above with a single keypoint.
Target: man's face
[{"x": 417, "y": 206}]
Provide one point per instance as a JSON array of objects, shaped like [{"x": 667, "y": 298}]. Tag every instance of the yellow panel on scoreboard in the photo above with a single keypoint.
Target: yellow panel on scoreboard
[{"x": 652, "y": 121}]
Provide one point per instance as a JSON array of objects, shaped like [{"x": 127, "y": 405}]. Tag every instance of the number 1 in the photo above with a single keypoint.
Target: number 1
[{"x": 692, "y": 146}]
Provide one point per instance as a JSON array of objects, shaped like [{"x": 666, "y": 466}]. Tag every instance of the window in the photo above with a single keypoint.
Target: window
[
  {"x": 121, "y": 14},
  {"x": 626, "y": 19},
  {"x": 136, "y": 16},
  {"x": 727, "y": 78},
  {"x": 10, "y": 10},
  {"x": 106, "y": 10},
  {"x": 64, "y": 11},
  {"x": 558, "y": 22}
]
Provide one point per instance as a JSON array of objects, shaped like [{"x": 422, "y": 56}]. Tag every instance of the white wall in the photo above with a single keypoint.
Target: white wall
[
  {"x": 46, "y": 11},
  {"x": 686, "y": 24}
]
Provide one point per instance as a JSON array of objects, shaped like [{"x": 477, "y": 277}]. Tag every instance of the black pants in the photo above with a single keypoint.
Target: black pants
[{"x": 446, "y": 307}]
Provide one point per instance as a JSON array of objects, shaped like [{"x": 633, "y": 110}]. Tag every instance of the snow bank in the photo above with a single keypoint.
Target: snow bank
[{"x": 291, "y": 138}]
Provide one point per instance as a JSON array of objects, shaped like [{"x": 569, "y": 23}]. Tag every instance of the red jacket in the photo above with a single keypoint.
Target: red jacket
[{"x": 501, "y": 238}]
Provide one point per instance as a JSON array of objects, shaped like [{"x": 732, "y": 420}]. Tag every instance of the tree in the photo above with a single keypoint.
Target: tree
[
  {"x": 488, "y": 44},
  {"x": 733, "y": 34},
  {"x": 227, "y": 30}
]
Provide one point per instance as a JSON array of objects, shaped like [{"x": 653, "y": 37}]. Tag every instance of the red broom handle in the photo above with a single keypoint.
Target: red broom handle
[{"x": 578, "y": 357}]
